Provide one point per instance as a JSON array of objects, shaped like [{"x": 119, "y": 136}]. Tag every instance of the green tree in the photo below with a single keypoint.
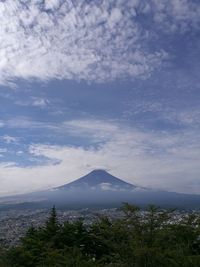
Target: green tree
[
  {"x": 151, "y": 238},
  {"x": 52, "y": 226}
]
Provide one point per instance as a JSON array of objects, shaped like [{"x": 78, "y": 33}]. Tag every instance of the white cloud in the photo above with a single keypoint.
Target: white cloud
[
  {"x": 9, "y": 139},
  {"x": 151, "y": 159},
  {"x": 2, "y": 124},
  {"x": 52, "y": 4},
  {"x": 24, "y": 122},
  {"x": 73, "y": 40},
  {"x": 3, "y": 150},
  {"x": 115, "y": 17},
  {"x": 177, "y": 15},
  {"x": 96, "y": 40},
  {"x": 40, "y": 102}
]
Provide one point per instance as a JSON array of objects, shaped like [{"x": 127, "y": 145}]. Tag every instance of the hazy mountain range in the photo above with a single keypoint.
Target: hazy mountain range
[{"x": 100, "y": 189}]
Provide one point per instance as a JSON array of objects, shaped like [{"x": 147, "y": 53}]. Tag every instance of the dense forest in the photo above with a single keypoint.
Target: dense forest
[{"x": 153, "y": 238}]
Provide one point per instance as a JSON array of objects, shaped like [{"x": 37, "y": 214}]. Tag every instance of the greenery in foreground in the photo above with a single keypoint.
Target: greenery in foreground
[{"x": 137, "y": 240}]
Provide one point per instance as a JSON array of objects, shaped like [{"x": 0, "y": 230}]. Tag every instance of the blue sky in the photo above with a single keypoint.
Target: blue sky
[{"x": 99, "y": 84}]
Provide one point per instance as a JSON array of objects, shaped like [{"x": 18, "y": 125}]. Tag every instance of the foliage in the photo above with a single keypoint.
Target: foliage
[{"x": 140, "y": 239}]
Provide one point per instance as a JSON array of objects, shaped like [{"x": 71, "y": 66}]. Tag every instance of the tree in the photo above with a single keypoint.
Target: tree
[
  {"x": 52, "y": 226},
  {"x": 139, "y": 239}
]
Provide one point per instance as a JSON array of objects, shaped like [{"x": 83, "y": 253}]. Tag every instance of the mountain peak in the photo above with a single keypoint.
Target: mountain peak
[{"x": 98, "y": 172}]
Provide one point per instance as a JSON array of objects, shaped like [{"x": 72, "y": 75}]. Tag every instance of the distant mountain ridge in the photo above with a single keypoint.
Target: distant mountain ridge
[{"x": 100, "y": 189}]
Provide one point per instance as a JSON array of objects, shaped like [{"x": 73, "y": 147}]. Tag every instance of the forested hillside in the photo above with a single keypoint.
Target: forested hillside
[{"x": 150, "y": 239}]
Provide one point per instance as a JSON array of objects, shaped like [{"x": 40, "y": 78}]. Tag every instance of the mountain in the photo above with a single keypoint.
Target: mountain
[
  {"x": 97, "y": 188},
  {"x": 100, "y": 189},
  {"x": 98, "y": 179}
]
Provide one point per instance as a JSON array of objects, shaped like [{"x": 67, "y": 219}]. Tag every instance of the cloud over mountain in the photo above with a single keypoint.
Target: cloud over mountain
[{"x": 152, "y": 159}]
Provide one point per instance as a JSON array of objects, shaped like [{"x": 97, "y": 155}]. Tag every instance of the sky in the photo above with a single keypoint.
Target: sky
[{"x": 89, "y": 84}]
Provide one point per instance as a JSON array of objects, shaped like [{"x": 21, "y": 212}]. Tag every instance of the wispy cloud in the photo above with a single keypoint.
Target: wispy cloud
[
  {"x": 2, "y": 124},
  {"x": 24, "y": 122},
  {"x": 40, "y": 102},
  {"x": 9, "y": 139}
]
